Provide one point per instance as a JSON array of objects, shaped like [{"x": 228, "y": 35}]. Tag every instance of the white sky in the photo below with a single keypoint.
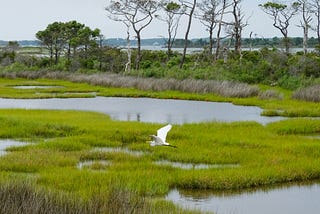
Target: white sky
[{"x": 22, "y": 19}]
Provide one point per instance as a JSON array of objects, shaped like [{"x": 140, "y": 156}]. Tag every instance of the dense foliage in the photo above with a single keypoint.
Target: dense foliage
[
  {"x": 265, "y": 66},
  {"x": 73, "y": 47}
]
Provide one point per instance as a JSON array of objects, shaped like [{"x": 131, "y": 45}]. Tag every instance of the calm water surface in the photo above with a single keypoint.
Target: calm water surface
[
  {"x": 4, "y": 144},
  {"x": 296, "y": 199},
  {"x": 148, "y": 110}
]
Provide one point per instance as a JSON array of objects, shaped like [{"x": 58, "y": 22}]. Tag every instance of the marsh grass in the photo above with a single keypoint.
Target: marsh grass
[
  {"x": 277, "y": 153},
  {"x": 270, "y": 94},
  {"x": 278, "y": 147},
  {"x": 222, "y": 88},
  {"x": 311, "y": 93},
  {"x": 24, "y": 198}
]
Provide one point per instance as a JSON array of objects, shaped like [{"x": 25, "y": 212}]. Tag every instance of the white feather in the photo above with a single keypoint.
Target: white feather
[
  {"x": 160, "y": 139},
  {"x": 162, "y": 133}
]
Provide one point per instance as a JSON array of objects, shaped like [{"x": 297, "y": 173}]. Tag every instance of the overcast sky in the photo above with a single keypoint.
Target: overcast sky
[{"x": 21, "y": 19}]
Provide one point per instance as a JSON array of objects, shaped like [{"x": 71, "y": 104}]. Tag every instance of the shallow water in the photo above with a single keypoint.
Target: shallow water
[
  {"x": 148, "y": 110},
  {"x": 195, "y": 166},
  {"x": 4, "y": 144},
  {"x": 295, "y": 199},
  {"x": 36, "y": 86},
  {"x": 90, "y": 163},
  {"x": 119, "y": 150}
]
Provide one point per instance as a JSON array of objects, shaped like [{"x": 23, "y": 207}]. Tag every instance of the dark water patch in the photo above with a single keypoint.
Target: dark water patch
[
  {"x": 148, "y": 109},
  {"x": 294, "y": 199}
]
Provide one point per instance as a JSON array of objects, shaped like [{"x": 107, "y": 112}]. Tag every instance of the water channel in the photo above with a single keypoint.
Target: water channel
[
  {"x": 148, "y": 109},
  {"x": 293, "y": 199},
  {"x": 5, "y": 144}
]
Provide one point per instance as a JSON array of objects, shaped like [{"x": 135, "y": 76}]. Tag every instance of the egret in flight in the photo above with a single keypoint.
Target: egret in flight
[{"x": 160, "y": 139}]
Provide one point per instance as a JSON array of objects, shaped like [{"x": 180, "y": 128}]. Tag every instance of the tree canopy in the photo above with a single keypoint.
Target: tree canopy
[{"x": 69, "y": 37}]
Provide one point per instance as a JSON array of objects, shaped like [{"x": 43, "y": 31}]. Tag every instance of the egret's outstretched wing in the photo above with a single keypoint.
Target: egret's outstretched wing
[{"x": 162, "y": 133}]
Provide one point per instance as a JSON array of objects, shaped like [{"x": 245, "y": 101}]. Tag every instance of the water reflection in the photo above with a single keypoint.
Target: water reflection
[
  {"x": 295, "y": 199},
  {"x": 148, "y": 110}
]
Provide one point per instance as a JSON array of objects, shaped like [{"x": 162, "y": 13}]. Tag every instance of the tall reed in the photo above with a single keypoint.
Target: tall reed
[
  {"x": 311, "y": 93},
  {"x": 223, "y": 88}
]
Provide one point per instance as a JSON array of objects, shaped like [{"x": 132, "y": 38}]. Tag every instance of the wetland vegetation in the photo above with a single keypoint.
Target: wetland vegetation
[
  {"x": 46, "y": 174},
  {"x": 85, "y": 162}
]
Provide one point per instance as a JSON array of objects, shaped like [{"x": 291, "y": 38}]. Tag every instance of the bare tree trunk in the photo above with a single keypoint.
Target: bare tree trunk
[
  {"x": 237, "y": 26},
  {"x": 318, "y": 26},
  {"x": 315, "y": 4},
  {"x": 139, "y": 55},
  {"x": 286, "y": 41},
  {"x": 305, "y": 39},
  {"x": 128, "y": 64},
  {"x": 211, "y": 42},
  {"x": 219, "y": 30},
  {"x": 250, "y": 41},
  {"x": 187, "y": 33},
  {"x": 305, "y": 23}
]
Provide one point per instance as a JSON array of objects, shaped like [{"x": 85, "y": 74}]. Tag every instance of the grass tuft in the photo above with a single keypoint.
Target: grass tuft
[{"x": 311, "y": 93}]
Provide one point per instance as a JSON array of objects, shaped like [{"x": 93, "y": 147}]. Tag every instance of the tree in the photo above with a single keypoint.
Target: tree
[
  {"x": 72, "y": 30},
  {"x": 222, "y": 12},
  {"x": 208, "y": 17},
  {"x": 237, "y": 25},
  {"x": 53, "y": 38},
  {"x": 315, "y": 8},
  {"x": 305, "y": 23},
  {"x": 9, "y": 52},
  {"x": 189, "y": 8},
  {"x": 281, "y": 15},
  {"x": 139, "y": 13},
  {"x": 121, "y": 18},
  {"x": 88, "y": 38},
  {"x": 173, "y": 12},
  {"x": 58, "y": 37}
]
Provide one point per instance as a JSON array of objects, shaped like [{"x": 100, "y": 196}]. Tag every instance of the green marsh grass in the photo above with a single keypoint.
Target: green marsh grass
[{"x": 277, "y": 153}]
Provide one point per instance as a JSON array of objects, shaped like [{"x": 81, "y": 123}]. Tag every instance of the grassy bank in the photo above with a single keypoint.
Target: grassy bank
[
  {"x": 274, "y": 100},
  {"x": 280, "y": 152},
  {"x": 47, "y": 177}
]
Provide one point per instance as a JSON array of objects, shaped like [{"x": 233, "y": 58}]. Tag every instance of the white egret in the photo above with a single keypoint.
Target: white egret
[{"x": 160, "y": 139}]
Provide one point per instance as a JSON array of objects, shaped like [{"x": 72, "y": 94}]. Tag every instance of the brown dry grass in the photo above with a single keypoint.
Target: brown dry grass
[
  {"x": 222, "y": 88},
  {"x": 311, "y": 93}
]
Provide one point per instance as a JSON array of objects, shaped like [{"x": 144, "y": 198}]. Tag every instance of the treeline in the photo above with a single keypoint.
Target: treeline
[{"x": 74, "y": 47}]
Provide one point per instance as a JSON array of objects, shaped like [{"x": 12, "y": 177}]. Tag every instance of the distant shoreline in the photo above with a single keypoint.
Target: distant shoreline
[{"x": 254, "y": 43}]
